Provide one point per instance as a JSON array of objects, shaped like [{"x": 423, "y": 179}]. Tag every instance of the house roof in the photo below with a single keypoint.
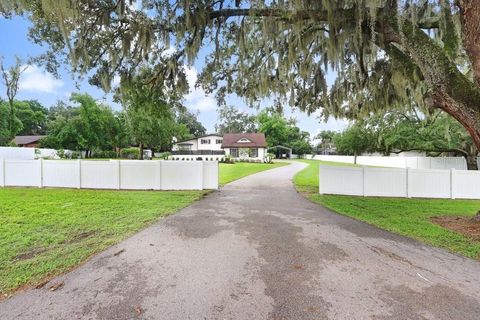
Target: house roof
[
  {"x": 231, "y": 140},
  {"x": 21, "y": 140}
]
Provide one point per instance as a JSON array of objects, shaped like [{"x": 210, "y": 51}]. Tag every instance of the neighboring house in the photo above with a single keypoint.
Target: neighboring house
[
  {"x": 210, "y": 144},
  {"x": 245, "y": 145},
  {"x": 238, "y": 145},
  {"x": 28, "y": 141}
]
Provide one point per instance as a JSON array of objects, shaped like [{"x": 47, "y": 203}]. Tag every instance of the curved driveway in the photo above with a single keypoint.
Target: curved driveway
[{"x": 257, "y": 249}]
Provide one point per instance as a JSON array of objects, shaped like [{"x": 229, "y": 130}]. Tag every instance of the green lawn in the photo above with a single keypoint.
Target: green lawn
[
  {"x": 409, "y": 217},
  {"x": 230, "y": 172},
  {"x": 44, "y": 232}
]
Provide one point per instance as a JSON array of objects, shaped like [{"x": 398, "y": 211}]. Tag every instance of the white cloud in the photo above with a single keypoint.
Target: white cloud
[
  {"x": 197, "y": 99},
  {"x": 36, "y": 80}
]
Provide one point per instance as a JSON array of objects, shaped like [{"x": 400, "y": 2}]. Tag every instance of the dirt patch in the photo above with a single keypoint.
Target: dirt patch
[
  {"x": 79, "y": 237},
  {"x": 29, "y": 254},
  {"x": 462, "y": 225}
]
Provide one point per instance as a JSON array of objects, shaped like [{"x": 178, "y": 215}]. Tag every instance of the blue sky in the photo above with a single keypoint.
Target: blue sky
[{"x": 38, "y": 84}]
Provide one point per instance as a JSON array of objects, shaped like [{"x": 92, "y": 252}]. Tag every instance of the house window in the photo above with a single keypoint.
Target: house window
[
  {"x": 219, "y": 141},
  {"x": 253, "y": 153},
  {"x": 244, "y": 140},
  {"x": 234, "y": 152},
  {"x": 205, "y": 141}
]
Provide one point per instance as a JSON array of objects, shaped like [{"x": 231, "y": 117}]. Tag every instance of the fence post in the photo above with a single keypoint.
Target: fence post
[
  {"x": 2, "y": 172},
  {"x": 79, "y": 171},
  {"x": 117, "y": 175},
  {"x": 158, "y": 176},
  {"x": 363, "y": 181},
  {"x": 452, "y": 174},
  {"x": 40, "y": 184},
  {"x": 319, "y": 180},
  {"x": 407, "y": 178}
]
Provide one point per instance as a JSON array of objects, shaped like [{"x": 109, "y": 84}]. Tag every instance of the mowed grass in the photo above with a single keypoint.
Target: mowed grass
[
  {"x": 230, "y": 172},
  {"x": 408, "y": 217},
  {"x": 44, "y": 232}
]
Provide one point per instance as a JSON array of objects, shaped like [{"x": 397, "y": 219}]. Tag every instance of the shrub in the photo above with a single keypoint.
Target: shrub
[
  {"x": 130, "y": 153},
  {"x": 76, "y": 155},
  {"x": 106, "y": 154},
  {"x": 269, "y": 158},
  {"x": 165, "y": 155}
]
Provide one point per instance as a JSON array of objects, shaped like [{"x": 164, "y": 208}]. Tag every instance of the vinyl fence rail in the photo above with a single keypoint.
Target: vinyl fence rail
[
  {"x": 397, "y": 182},
  {"x": 458, "y": 163},
  {"x": 110, "y": 174}
]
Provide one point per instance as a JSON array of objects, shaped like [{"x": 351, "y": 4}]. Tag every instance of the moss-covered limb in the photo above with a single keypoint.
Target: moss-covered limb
[
  {"x": 448, "y": 88},
  {"x": 470, "y": 23}
]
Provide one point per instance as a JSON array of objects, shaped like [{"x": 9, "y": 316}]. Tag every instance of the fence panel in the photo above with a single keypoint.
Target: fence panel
[
  {"x": 448, "y": 163},
  {"x": 138, "y": 174},
  {"x": 466, "y": 184},
  {"x": 342, "y": 159},
  {"x": 61, "y": 173},
  {"x": 385, "y": 182},
  {"x": 341, "y": 180},
  {"x": 429, "y": 183},
  {"x": 17, "y": 153},
  {"x": 23, "y": 173},
  {"x": 99, "y": 174},
  {"x": 393, "y": 162},
  {"x": 210, "y": 175},
  {"x": 182, "y": 175}
]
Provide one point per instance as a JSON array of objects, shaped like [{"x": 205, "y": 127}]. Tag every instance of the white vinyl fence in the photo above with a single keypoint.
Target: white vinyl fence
[
  {"x": 110, "y": 174},
  {"x": 458, "y": 163},
  {"x": 17, "y": 153},
  {"x": 396, "y": 182},
  {"x": 22, "y": 153}
]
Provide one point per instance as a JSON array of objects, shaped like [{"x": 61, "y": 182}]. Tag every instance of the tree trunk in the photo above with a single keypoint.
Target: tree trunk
[
  {"x": 355, "y": 158},
  {"x": 472, "y": 162},
  {"x": 140, "y": 156},
  {"x": 12, "y": 117}
]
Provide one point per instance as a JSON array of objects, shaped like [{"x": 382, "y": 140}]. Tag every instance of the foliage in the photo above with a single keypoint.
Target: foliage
[
  {"x": 33, "y": 117},
  {"x": 408, "y": 217},
  {"x": 280, "y": 131},
  {"x": 11, "y": 78},
  {"x": 88, "y": 126},
  {"x": 130, "y": 153},
  {"x": 165, "y": 155},
  {"x": 189, "y": 119},
  {"x": 5, "y": 132},
  {"x": 231, "y": 120},
  {"x": 397, "y": 130},
  {"x": 79, "y": 223},
  {"x": 149, "y": 113},
  {"x": 355, "y": 140},
  {"x": 384, "y": 52},
  {"x": 105, "y": 154},
  {"x": 269, "y": 158},
  {"x": 326, "y": 141}
]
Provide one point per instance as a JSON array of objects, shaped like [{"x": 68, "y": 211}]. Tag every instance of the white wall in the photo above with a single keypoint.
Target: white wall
[
  {"x": 395, "y": 182},
  {"x": 401, "y": 162},
  {"x": 110, "y": 174},
  {"x": 212, "y": 146},
  {"x": 17, "y": 153}
]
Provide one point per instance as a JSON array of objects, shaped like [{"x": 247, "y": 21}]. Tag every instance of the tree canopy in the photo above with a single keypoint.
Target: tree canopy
[
  {"x": 281, "y": 131},
  {"x": 232, "y": 120},
  {"x": 384, "y": 52}
]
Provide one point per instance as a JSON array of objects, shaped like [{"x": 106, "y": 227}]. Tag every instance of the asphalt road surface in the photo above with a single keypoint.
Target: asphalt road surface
[{"x": 257, "y": 249}]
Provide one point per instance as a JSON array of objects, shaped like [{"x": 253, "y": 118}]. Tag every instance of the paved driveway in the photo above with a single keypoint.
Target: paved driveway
[{"x": 258, "y": 250}]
